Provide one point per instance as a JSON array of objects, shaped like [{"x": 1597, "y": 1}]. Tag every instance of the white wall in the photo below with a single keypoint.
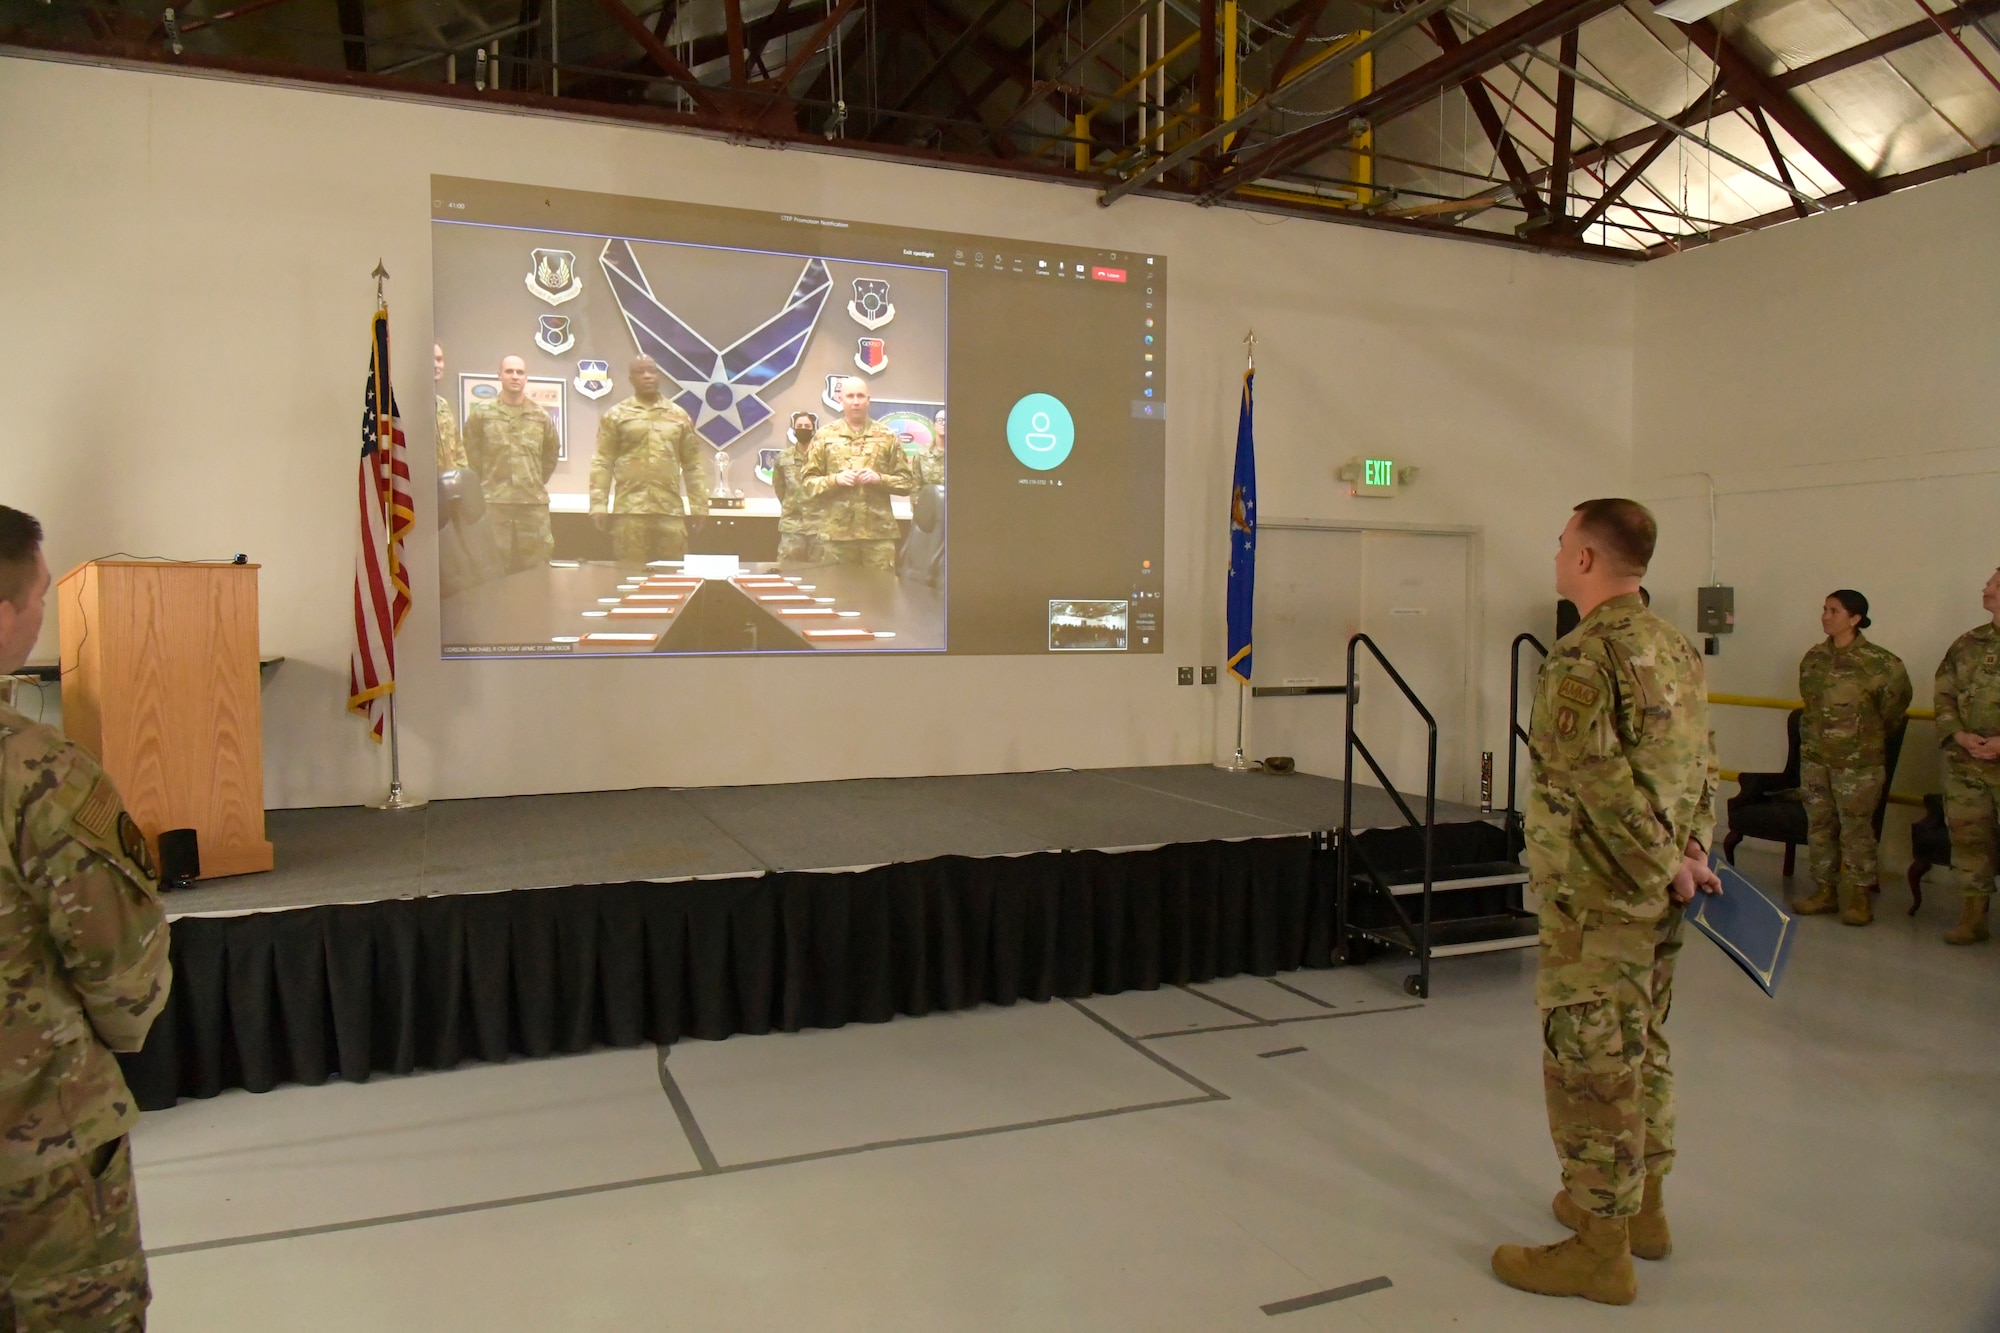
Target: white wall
[
  {"x": 1839, "y": 378},
  {"x": 187, "y": 294}
]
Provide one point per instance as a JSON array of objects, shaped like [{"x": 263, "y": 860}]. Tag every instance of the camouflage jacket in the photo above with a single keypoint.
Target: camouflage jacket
[
  {"x": 650, "y": 454},
  {"x": 513, "y": 449},
  {"x": 451, "y": 452},
  {"x": 1966, "y": 692},
  {"x": 797, "y": 511},
  {"x": 83, "y": 951},
  {"x": 1856, "y": 698},
  {"x": 930, "y": 467},
  {"x": 1624, "y": 775},
  {"x": 857, "y": 513}
]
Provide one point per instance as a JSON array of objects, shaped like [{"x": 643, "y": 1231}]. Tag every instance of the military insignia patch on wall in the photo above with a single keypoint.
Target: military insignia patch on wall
[
  {"x": 872, "y": 356},
  {"x": 871, "y": 307},
  {"x": 593, "y": 378},
  {"x": 552, "y": 276},
  {"x": 133, "y": 843},
  {"x": 1572, "y": 688},
  {"x": 1565, "y": 721},
  {"x": 552, "y": 334},
  {"x": 831, "y": 394}
]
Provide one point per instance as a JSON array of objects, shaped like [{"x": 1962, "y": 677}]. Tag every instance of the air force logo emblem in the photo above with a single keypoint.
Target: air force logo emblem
[
  {"x": 593, "y": 378},
  {"x": 719, "y": 387},
  {"x": 870, "y": 307},
  {"x": 873, "y": 355},
  {"x": 552, "y": 334},
  {"x": 552, "y": 276}
]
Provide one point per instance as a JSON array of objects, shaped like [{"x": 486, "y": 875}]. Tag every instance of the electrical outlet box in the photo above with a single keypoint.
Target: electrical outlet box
[
  {"x": 1715, "y": 610},
  {"x": 1187, "y": 675},
  {"x": 1208, "y": 675}
]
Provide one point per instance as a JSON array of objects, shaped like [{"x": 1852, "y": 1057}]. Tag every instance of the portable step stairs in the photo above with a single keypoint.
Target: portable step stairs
[{"x": 1463, "y": 880}]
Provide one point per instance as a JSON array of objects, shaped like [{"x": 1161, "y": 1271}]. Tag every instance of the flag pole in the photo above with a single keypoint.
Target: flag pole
[
  {"x": 1239, "y": 764},
  {"x": 395, "y": 800}
]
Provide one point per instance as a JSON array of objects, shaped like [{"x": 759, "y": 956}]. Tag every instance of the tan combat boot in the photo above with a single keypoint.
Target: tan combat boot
[
  {"x": 1595, "y": 1263},
  {"x": 1821, "y": 903},
  {"x": 1648, "y": 1231},
  {"x": 1971, "y": 927},
  {"x": 1859, "y": 912}
]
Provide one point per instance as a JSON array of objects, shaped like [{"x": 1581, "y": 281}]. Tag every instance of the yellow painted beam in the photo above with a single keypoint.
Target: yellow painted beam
[
  {"x": 1364, "y": 142},
  {"x": 1083, "y": 142},
  {"x": 1228, "y": 67},
  {"x": 1787, "y": 705}
]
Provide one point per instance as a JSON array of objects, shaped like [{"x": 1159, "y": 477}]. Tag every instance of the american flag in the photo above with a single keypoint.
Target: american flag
[{"x": 381, "y": 582}]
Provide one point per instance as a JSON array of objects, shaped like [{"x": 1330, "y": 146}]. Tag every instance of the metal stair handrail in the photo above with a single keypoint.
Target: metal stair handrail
[
  {"x": 1517, "y": 735},
  {"x": 1428, "y": 824}
]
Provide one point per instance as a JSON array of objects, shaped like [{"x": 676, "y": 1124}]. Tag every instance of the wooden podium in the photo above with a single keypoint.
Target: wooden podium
[{"x": 160, "y": 682}]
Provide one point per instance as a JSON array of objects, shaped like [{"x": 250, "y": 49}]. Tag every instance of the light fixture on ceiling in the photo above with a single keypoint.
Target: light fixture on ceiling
[{"x": 1690, "y": 11}]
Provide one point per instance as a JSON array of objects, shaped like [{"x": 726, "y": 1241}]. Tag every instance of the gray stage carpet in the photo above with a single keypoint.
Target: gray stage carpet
[{"x": 348, "y": 854}]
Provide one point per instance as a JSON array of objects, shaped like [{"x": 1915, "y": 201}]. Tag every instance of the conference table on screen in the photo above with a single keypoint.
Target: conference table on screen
[{"x": 603, "y": 608}]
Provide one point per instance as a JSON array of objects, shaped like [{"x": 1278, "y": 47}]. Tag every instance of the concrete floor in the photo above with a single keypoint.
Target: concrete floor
[{"x": 1177, "y": 1160}]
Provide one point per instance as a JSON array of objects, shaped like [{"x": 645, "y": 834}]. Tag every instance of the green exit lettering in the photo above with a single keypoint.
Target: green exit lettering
[{"x": 1378, "y": 472}]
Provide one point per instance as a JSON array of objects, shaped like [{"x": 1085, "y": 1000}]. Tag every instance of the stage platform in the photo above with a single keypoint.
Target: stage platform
[
  {"x": 530, "y": 926},
  {"x": 350, "y": 854}
]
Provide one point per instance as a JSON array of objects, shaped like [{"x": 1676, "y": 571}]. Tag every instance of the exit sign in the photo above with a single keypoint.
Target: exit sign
[{"x": 1378, "y": 477}]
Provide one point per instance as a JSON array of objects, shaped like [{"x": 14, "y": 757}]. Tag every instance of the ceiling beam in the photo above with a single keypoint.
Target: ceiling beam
[
  {"x": 1530, "y": 27},
  {"x": 353, "y": 18},
  {"x": 1559, "y": 163},
  {"x": 966, "y": 37},
  {"x": 1763, "y": 123},
  {"x": 1752, "y": 88},
  {"x": 663, "y": 59},
  {"x": 811, "y": 45},
  {"x": 732, "y": 31},
  {"x": 1445, "y": 32},
  {"x": 1615, "y": 191},
  {"x": 1296, "y": 44}
]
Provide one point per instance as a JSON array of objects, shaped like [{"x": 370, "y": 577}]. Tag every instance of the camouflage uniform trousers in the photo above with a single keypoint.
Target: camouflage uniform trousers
[
  {"x": 1972, "y": 815},
  {"x": 638, "y": 538},
  {"x": 798, "y": 548},
  {"x": 1840, "y": 822},
  {"x": 877, "y": 554},
  {"x": 70, "y": 1256},
  {"x": 522, "y": 533},
  {"x": 1607, "y": 1075}
]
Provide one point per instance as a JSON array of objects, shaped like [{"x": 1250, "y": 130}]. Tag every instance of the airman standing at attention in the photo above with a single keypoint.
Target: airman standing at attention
[
  {"x": 511, "y": 443},
  {"x": 930, "y": 463},
  {"x": 647, "y": 473},
  {"x": 854, "y": 466},
  {"x": 798, "y": 525},
  {"x": 451, "y": 453},
  {"x": 1857, "y": 697},
  {"x": 84, "y": 972},
  {"x": 1967, "y": 698},
  {"x": 1619, "y": 818}
]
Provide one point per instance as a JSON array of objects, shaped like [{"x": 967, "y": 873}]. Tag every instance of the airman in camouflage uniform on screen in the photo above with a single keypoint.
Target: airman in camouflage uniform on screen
[
  {"x": 852, "y": 469},
  {"x": 647, "y": 472},
  {"x": 512, "y": 444},
  {"x": 1966, "y": 695},
  {"x": 450, "y": 451},
  {"x": 1619, "y": 817},
  {"x": 83, "y": 973},
  {"x": 798, "y": 514},
  {"x": 1857, "y": 696},
  {"x": 930, "y": 462}
]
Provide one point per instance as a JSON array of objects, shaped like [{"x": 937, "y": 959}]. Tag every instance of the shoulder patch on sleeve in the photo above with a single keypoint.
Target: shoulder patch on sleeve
[
  {"x": 98, "y": 815},
  {"x": 1575, "y": 690},
  {"x": 1565, "y": 721},
  {"x": 132, "y": 841}
]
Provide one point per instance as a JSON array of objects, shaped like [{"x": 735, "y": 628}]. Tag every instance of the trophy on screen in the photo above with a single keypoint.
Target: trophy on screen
[{"x": 724, "y": 495}]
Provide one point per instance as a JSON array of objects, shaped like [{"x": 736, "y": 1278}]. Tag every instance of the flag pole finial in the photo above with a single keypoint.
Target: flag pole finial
[
  {"x": 381, "y": 275},
  {"x": 1250, "y": 348}
]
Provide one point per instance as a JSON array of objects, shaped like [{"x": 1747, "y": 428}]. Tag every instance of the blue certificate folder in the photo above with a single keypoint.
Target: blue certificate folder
[{"x": 1755, "y": 932}]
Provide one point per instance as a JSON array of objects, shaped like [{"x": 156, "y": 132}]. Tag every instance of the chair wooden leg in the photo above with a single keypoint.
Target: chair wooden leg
[
  {"x": 1791, "y": 858},
  {"x": 1729, "y": 846},
  {"x": 1918, "y": 869}
]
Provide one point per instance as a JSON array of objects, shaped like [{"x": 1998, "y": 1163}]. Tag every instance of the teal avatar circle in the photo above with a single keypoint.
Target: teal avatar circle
[{"x": 1040, "y": 431}]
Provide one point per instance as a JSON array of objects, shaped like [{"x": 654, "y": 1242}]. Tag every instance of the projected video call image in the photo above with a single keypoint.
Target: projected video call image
[{"x": 669, "y": 428}]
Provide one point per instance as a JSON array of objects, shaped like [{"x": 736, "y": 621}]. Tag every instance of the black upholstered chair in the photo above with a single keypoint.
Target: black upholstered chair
[
  {"x": 1930, "y": 845},
  {"x": 1768, "y": 805}
]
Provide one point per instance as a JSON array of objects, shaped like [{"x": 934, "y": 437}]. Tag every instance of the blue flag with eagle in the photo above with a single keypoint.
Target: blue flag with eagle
[{"x": 1243, "y": 537}]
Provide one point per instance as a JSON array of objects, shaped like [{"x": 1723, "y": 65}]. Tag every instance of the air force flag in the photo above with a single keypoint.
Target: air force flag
[{"x": 1243, "y": 538}]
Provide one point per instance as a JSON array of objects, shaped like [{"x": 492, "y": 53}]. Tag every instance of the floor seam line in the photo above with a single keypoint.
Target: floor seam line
[
  {"x": 1158, "y": 1059},
  {"x": 698, "y": 1141}
]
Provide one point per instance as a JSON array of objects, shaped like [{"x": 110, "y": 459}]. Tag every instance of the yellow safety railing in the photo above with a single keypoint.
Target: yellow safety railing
[{"x": 1786, "y": 706}]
